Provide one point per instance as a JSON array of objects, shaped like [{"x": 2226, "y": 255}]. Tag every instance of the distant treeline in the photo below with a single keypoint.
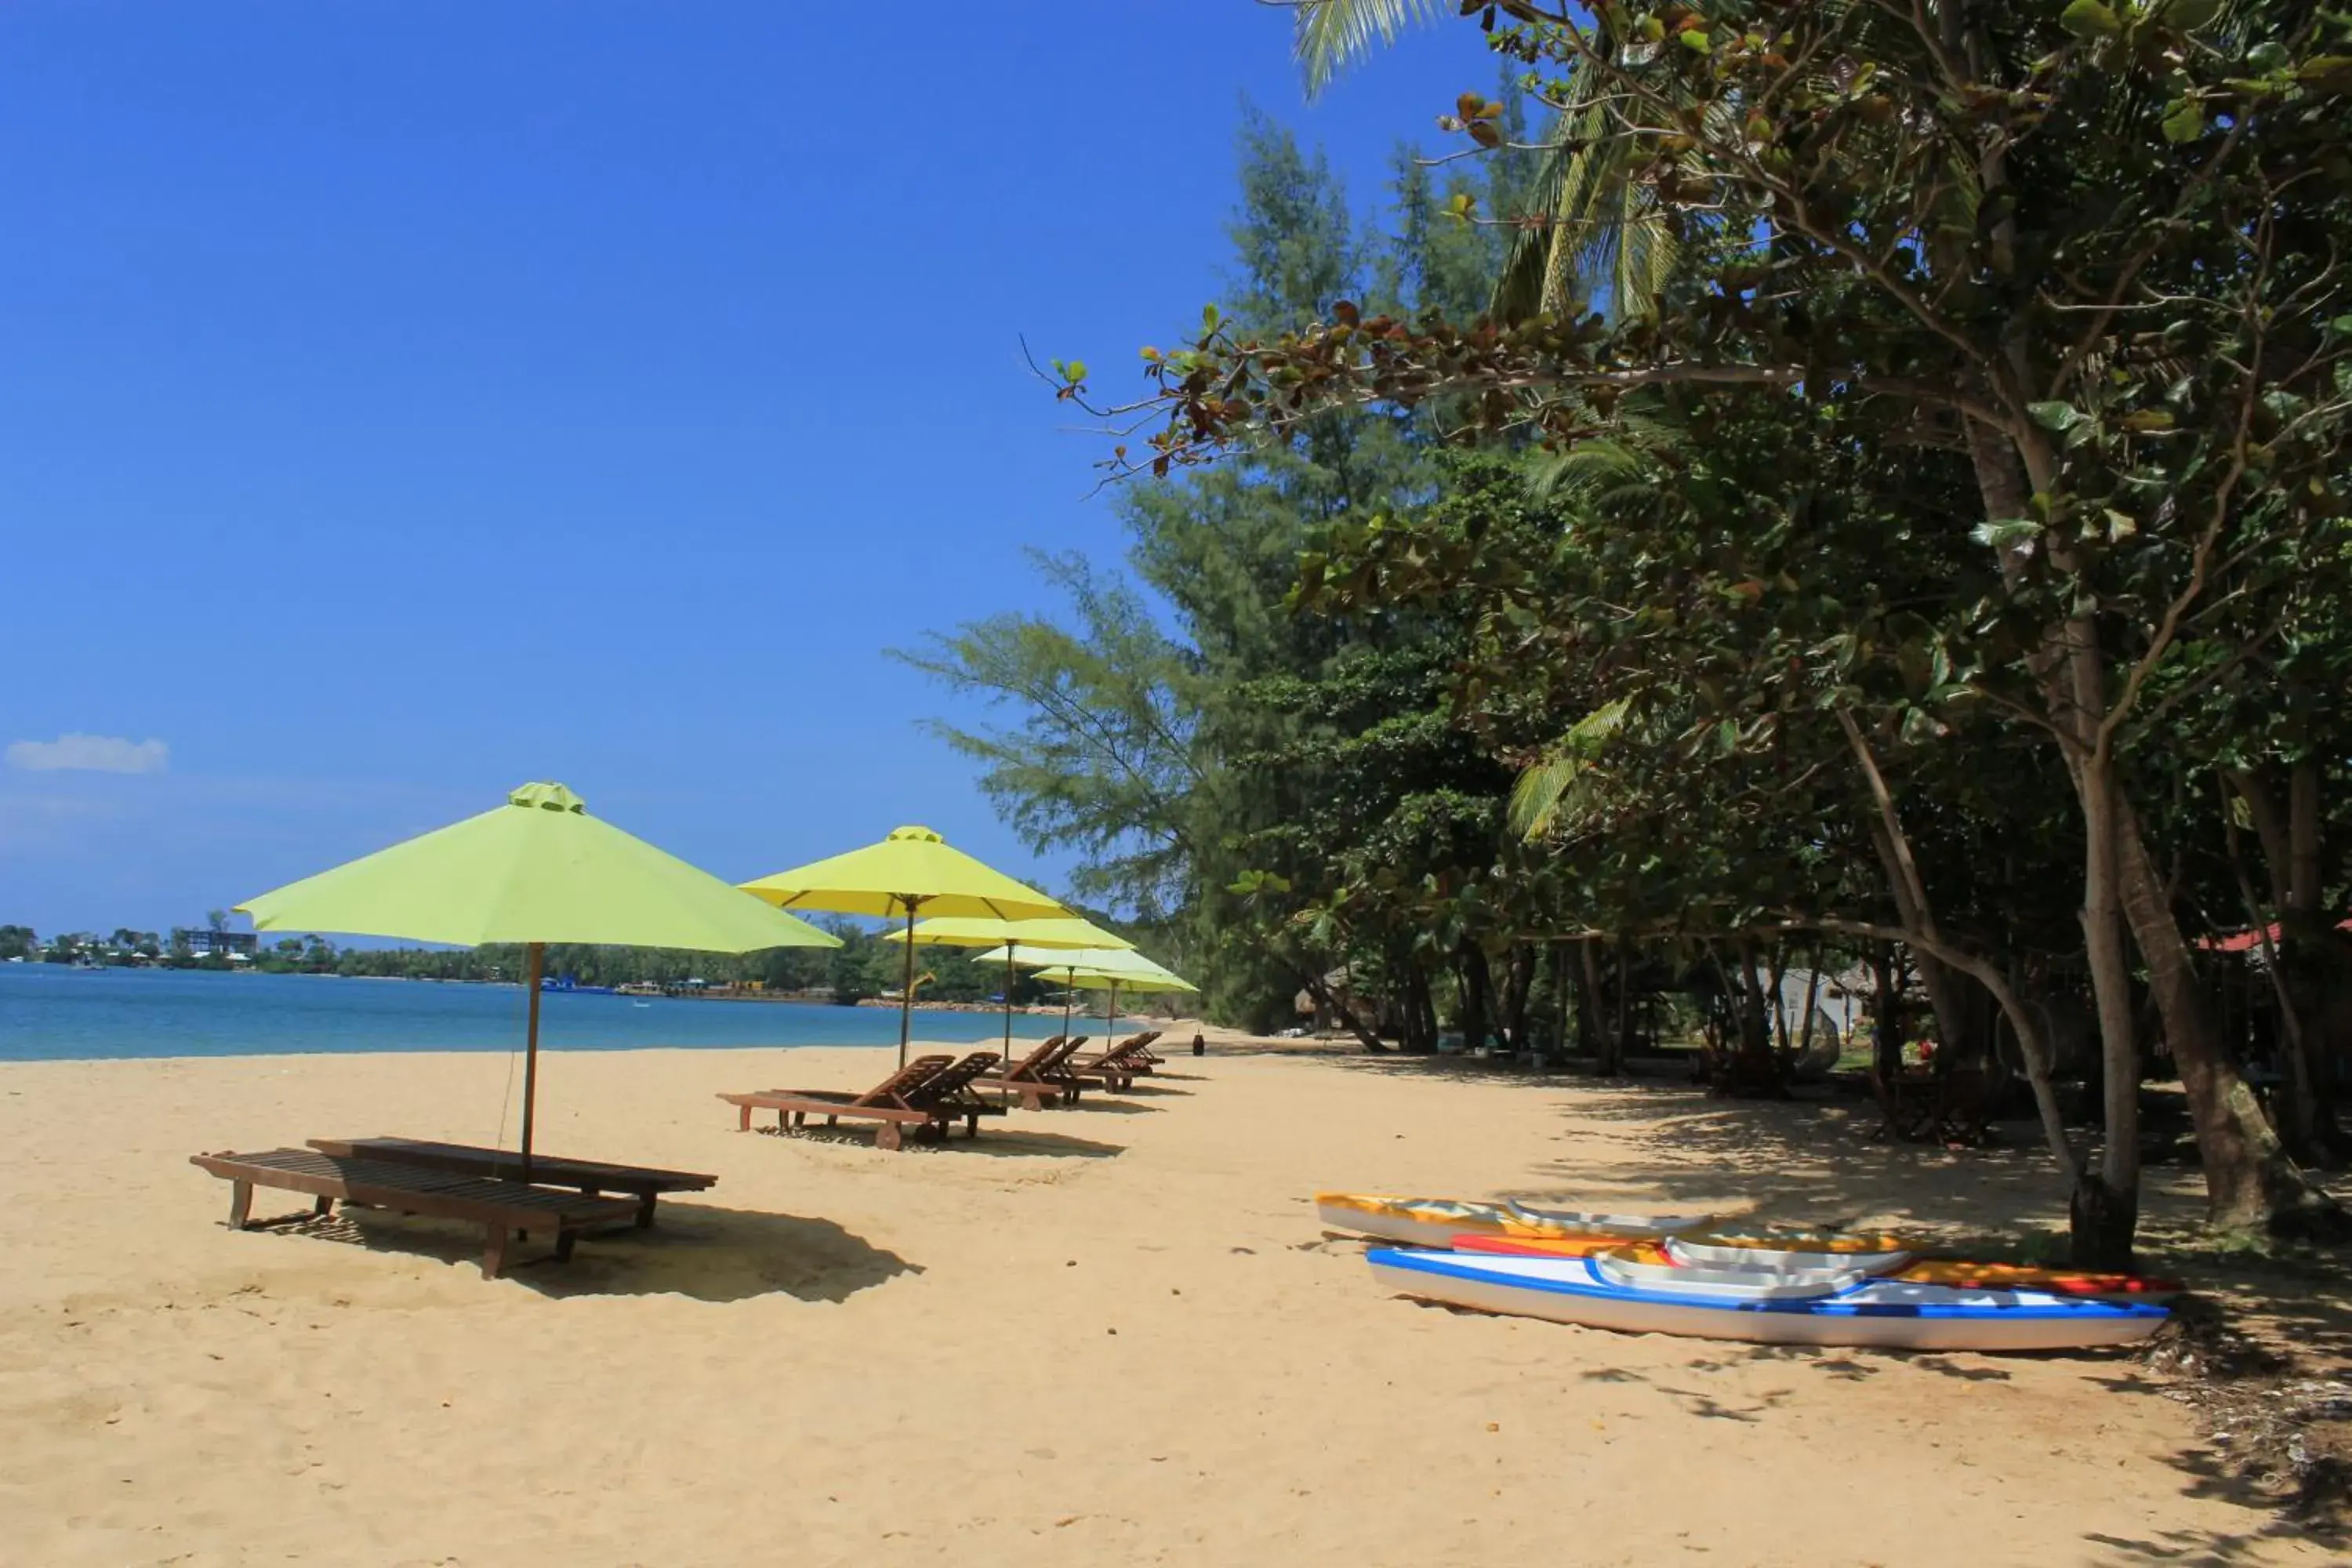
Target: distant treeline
[{"x": 862, "y": 966}]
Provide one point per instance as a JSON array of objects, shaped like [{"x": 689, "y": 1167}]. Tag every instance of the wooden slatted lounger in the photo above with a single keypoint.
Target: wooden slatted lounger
[
  {"x": 502, "y": 1209},
  {"x": 950, "y": 1090},
  {"x": 893, "y": 1105},
  {"x": 594, "y": 1177},
  {"x": 1041, "y": 1079},
  {"x": 1120, "y": 1066}
]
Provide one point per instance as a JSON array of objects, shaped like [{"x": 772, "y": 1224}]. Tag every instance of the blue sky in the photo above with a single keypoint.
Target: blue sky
[{"x": 403, "y": 399}]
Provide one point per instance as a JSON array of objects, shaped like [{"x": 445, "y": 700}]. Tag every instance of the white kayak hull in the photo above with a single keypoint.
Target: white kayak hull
[{"x": 1882, "y": 1313}]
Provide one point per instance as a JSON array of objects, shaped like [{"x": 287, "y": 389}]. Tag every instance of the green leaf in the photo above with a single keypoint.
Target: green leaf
[
  {"x": 2056, "y": 416},
  {"x": 1694, "y": 38},
  {"x": 1209, "y": 319},
  {"x": 2268, "y": 55},
  {"x": 1077, "y": 370},
  {"x": 2005, "y": 533},
  {"x": 2089, "y": 19},
  {"x": 2186, "y": 122},
  {"x": 2120, "y": 526},
  {"x": 2147, "y": 419},
  {"x": 2188, "y": 15}
]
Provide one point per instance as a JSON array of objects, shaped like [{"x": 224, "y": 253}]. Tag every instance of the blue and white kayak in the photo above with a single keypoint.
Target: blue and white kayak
[{"x": 1824, "y": 1307}]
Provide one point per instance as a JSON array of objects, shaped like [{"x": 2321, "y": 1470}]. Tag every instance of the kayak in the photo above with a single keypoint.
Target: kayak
[
  {"x": 1829, "y": 1306},
  {"x": 1958, "y": 1273},
  {"x": 1441, "y": 1222},
  {"x": 1436, "y": 1222}
]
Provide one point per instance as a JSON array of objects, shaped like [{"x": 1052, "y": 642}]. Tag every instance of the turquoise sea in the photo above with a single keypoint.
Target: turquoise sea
[{"x": 49, "y": 1013}]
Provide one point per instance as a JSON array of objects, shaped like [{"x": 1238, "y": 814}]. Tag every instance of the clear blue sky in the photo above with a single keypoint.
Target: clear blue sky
[{"x": 403, "y": 399}]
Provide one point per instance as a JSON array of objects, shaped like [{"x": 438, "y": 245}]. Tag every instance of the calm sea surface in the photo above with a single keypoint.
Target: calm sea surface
[{"x": 49, "y": 1012}]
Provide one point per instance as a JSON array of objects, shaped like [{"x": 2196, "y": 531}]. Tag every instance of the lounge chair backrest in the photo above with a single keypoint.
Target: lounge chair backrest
[
  {"x": 1044, "y": 1053},
  {"x": 955, "y": 1079},
  {"x": 906, "y": 1080},
  {"x": 1062, "y": 1055}
]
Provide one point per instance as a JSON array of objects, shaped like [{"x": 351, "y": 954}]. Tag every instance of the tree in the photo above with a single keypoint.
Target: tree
[
  {"x": 17, "y": 941},
  {"x": 2099, "y": 256}
]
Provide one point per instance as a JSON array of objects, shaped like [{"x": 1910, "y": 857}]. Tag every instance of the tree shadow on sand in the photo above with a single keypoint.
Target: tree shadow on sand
[
  {"x": 697, "y": 1250},
  {"x": 2268, "y": 1328}
]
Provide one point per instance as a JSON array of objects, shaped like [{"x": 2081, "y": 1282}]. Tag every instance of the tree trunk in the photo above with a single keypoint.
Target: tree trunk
[
  {"x": 1624, "y": 1048},
  {"x": 1478, "y": 998},
  {"x": 2249, "y": 1182},
  {"x": 1885, "y": 1017},
  {"x": 1591, "y": 1019},
  {"x": 1331, "y": 1002},
  {"x": 2105, "y": 1208}
]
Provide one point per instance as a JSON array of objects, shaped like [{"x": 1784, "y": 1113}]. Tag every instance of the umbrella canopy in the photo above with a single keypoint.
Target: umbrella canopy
[
  {"x": 914, "y": 869},
  {"x": 1103, "y": 964},
  {"x": 969, "y": 930},
  {"x": 965, "y": 930},
  {"x": 538, "y": 868},
  {"x": 1099, "y": 969},
  {"x": 535, "y": 870}
]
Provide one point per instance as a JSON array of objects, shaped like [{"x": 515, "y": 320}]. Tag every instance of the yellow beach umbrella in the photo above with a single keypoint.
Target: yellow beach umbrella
[
  {"x": 535, "y": 870},
  {"x": 912, "y": 872},
  {"x": 968, "y": 930}
]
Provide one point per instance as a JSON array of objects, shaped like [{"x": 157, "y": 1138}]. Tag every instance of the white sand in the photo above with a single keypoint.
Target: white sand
[{"x": 1103, "y": 1336}]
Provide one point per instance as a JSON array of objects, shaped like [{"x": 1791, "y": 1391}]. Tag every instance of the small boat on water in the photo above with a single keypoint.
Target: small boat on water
[
  {"x": 1826, "y": 1306},
  {"x": 1701, "y": 1250}
]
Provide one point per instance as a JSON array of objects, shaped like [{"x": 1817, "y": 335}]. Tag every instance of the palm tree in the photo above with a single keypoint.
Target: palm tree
[{"x": 1598, "y": 232}]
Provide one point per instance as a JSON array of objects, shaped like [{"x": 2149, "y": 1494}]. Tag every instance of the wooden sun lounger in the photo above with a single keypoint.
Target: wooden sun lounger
[
  {"x": 950, "y": 1089},
  {"x": 1042, "y": 1079},
  {"x": 893, "y": 1105},
  {"x": 503, "y": 1209},
  {"x": 1120, "y": 1066},
  {"x": 594, "y": 1177}
]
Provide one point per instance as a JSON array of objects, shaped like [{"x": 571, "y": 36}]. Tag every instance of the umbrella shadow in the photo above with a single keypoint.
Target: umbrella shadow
[{"x": 697, "y": 1250}]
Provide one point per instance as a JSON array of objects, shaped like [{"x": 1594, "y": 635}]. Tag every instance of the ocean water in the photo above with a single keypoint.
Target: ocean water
[{"x": 49, "y": 1012}]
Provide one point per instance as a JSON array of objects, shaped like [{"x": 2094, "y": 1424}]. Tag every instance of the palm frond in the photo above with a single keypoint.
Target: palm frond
[{"x": 1331, "y": 35}]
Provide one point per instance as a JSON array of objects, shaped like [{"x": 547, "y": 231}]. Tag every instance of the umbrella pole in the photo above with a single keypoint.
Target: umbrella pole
[
  {"x": 1005, "y": 1066},
  {"x": 535, "y": 968},
  {"x": 1110, "y": 1019},
  {"x": 1070, "y": 998},
  {"x": 906, "y": 986}
]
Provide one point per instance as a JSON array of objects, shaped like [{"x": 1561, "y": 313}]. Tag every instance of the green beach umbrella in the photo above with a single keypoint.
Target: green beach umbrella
[
  {"x": 1102, "y": 968},
  {"x": 535, "y": 870},
  {"x": 912, "y": 872},
  {"x": 969, "y": 931}
]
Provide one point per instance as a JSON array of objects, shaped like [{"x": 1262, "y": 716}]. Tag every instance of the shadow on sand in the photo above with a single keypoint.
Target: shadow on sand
[
  {"x": 1021, "y": 1140},
  {"x": 697, "y": 1250}
]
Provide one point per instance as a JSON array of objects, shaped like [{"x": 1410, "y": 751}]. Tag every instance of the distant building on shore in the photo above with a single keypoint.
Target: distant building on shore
[{"x": 217, "y": 944}]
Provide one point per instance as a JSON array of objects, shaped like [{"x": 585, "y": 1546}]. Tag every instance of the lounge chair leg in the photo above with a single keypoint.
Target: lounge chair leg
[
  {"x": 743, "y": 1118},
  {"x": 645, "y": 1211},
  {"x": 240, "y": 1204},
  {"x": 564, "y": 1242},
  {"x": 494, "y": 1255},
  {"x": 323, "y": 1207},
  {"x": 886, "y": 1136}
]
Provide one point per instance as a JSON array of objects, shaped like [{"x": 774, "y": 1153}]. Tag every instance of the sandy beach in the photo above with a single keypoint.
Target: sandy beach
[{"x": 1114, "y": 1334}]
